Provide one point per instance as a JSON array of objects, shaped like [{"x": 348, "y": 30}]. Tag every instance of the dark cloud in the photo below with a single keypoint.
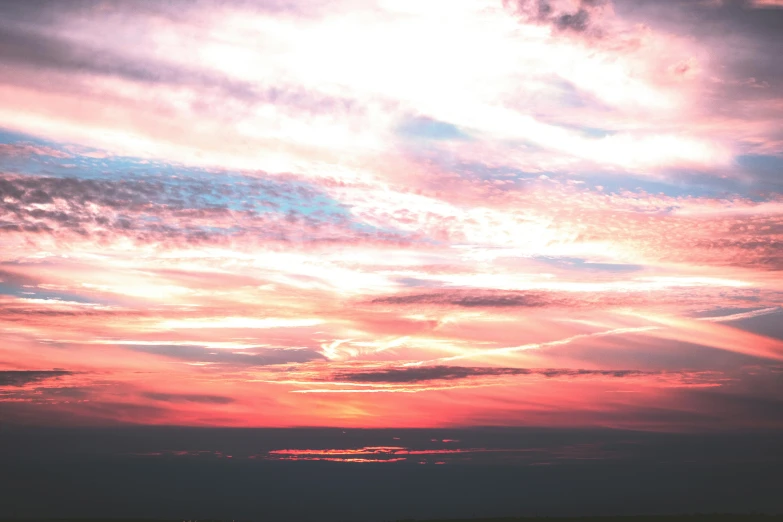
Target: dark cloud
[
  {"x": 46, "y": 394},
  {"x": 193, "y": 208},
  {"x": 22, "y": 377},
  {"x": 44, "y": 13},
  {"x": 501, "y": 299},
  {"x": 433, "y": 373},
  {"x": 244, "y": 358},
  {"x": 188, "y": 397},
  {"x": 65, "y": 393},
  {"x": 16, "y": 279},
  {"x": 573, "y": 21},
  {"x": 473, "y": 299},
  {"x": 576, "y": 263},
  {"x": 577, "y": 20},
  {"x": 28, "y": 44},
  {"x": 30, "y": 313},
  {"x": 705, "y": 19},
  {"x": 759, "y": 250},
  {"x": 41, "y": 51},
  {"x": 746, "y": 44}
]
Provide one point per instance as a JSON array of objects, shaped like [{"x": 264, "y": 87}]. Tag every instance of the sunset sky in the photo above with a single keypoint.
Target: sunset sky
[{"x": 392, "y": 214}]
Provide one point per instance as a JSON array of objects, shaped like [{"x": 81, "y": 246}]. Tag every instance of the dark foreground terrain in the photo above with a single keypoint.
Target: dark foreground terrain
[
  {"x": 166, "y": 473},
  {"x": 699, "y": 517}
]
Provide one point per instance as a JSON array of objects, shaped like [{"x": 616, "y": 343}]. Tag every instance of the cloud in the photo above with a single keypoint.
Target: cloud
[
  {"x": 470, "y": 299},
  {"x": 767, "y": 4},
  {"x": 188, "y": 397},
  {"x": 558, "y": 297},
  {"x": 562, "y": 16},
  {"x": 450, "y": 373},
  {"x": 49, "y": 394},
  {"x": 37, "y": 51},
  {"x": 244, "y": 358},
  {"x": 187, "y": 209},
  {"x": 24, "y": 377},
  {"x": 23, "y": 150}
]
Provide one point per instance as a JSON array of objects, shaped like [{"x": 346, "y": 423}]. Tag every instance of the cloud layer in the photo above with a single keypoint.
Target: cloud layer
[{"x": 489, "y": 212}]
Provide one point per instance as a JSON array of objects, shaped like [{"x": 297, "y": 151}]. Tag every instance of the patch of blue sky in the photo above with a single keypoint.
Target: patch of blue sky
[
  {"x": 414, "y": 282},
  {"x": 678, "y": 186},
  {"x": 762, "y": 163},
  {"x": 33, "y": 292},
  {"x": 608, "y": 181},
  {"x": 561, "y": 93},
  {"x": 405, "y": 235},
  {"x": 261, "y": 195},
  {"x": 9, "y": 136},
  {"x": 726, "y": 184},
  {"x": 585, "y": 131},
  {"x": 594, "y": 132},
  {"x": 769, "y": 325},
  {"x": 221, "y": 230},
  {"x": 424, "y": 128},
  {"x": 760, "y": 173},
  {"x": 765, "y": 171},
  {"x": 679, "y": 183},
  {"x": 723, "y": 311},
  {"x": 192, "y": 187},
  {"x": 481, "y": 171},
  {"x": 69, "y": 160},
  {"x": 576, "y": 263},
  {"x": 758, "y": 178}
]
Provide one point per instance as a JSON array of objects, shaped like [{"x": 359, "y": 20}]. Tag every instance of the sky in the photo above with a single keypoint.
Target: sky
[{"x": 392, "y": 214}]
